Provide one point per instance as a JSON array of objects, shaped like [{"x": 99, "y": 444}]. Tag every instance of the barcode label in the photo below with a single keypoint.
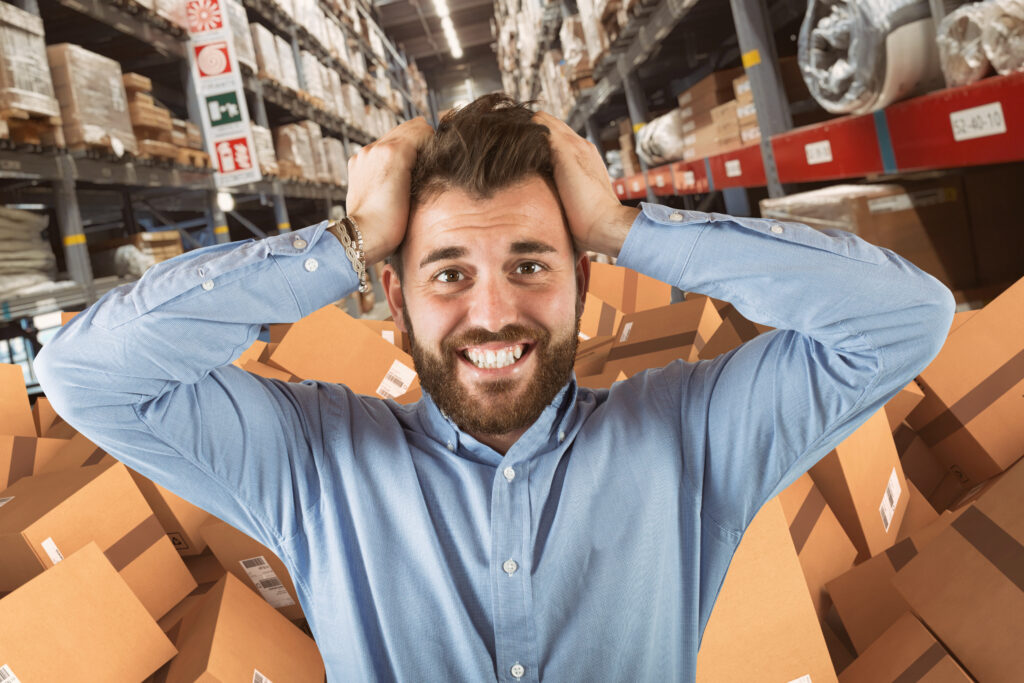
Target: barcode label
[
  {"x": 732, "y": 168},
  {"x": 806, "y": 678},
  {"x": 51, "y": 550},
  {"x": 269, "y": 586},
  {"x": 257, "y": 677},
  {"x": 5, "y": 501},
  {"x": 890, "y": 499},
  {"x": 397, "y": 380},
  {"x": 389, "y": 335},
  {"x": 7, "y": 676},
  {"x": 818, "y": 152},
  {"x": 626, "y": 329},
  {"x": 978, "y": 122}
]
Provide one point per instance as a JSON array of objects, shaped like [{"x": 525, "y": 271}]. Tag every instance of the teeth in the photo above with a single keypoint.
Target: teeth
[{"x": 491, "y": 359}]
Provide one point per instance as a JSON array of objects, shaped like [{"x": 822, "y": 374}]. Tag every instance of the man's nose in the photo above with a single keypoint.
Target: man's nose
[{"x": 493, "y": 303}]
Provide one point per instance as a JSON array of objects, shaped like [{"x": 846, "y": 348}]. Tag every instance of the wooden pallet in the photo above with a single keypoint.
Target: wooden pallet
[
  {"x": 193, "y": 157},
  {"x": 157, "y": 149},
  {"x": 22, "y": 127},
  {"x": 289, "y": 170}
]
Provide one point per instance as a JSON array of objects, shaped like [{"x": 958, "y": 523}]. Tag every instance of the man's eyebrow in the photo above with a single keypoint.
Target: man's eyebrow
[
  {"x": 531, "y": 247},
  {"x": 443, "y": 253}
]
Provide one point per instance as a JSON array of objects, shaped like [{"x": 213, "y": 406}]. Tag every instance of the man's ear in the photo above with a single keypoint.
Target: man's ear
[
  {"x": 393, "y": 291},
  {"x": 582, "y": 280}
]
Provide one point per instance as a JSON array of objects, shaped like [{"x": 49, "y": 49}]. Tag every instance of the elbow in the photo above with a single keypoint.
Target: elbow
[{"x": 936, "y": 321}]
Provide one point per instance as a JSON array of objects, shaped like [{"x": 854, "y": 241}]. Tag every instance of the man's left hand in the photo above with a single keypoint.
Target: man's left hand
[{"x": 597, "y": 220}]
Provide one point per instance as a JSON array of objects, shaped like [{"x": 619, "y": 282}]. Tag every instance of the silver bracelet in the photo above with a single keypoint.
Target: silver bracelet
[{"x": 352, "y": 240}]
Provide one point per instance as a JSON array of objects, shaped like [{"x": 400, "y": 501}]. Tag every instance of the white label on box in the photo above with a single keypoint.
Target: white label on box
[
  {"x": 389, "y": 335},
  {"x": 806, "y": 678},
  {"x": 689, "y": 125},
  {"x": 732, "y": 168},
  {"x": 686, "y": 112},
  {"x": 257, "y": 677},
  {"x": 659, "y": 181},
  {"x": 897, "y": 202},
  {"x": 397, "y": 381},
  {"x": 51, "y": 550},
  {"x": 263, "y": 577},
  {"x": 689, "y": 179},
  {"x": 5, "y": 501},
  {"x": 626, "y": 329},
  {"x": 750, "y": 134},
  {"x": 745, "y": 110},
  {"x": 818, "y": 152},
  {"x": 978, "y": 122},
  {"x": 7, "y": 676},
  {"x": 890, "y": 499},
  {"x": 584, "y": 336},
  {"x": 684, "y": 98},
  {"x": 690, "y": 140}
]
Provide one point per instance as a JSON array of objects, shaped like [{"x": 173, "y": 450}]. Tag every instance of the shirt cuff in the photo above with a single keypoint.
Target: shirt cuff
[
  {"x": 315, "y": 265},
  {"x": 661, "y": 240}
]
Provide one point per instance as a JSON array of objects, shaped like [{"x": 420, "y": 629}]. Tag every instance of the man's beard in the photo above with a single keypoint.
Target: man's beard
[{"x": 506, "y": 411}]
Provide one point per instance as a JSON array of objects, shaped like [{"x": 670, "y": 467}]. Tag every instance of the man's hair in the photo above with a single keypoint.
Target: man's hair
[{"x": 481, "y": 148}]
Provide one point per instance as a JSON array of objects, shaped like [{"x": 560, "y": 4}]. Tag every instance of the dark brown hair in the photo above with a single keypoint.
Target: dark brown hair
[{"x": 481, "y": 148}]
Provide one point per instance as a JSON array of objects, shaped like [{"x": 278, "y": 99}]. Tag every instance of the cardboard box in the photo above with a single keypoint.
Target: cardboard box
[
  {"x": 924, "y": 221},
  {"x": 863, "y": 482},
  {"x": 70, "y": 623},
  {"x": 823, "y": 548},
  {"x": 763, "y": 626},
  {"x": 233, "y": 635},
  {"x": 48, "y": 422},
  {"x": 627, "y": 290},
  {"x": 254, "y": 564},
  {"x": 900, "y": 405},
  {"x": 750, "y": 134},
  {"x": 734, "y": 330},
  {"x": 727, "y": 126},
  {"x": 15, "y": 411},
  {"x": 599, "y": 318},
  {"x": 388, "y": 331},
  {"x": 370, "y": 364},
  {"x": 604, "y": 380},
  {"x": 710, "y": 90},
  {"x": 658, "y": 336},
  {"x": 974, "y": 392},
  {"x": 905, "y": 652},
  {"x": 967, "y": 584},
  {"x": 23, "y": 456},
  {"x": 746, "y": 114},
  {"x": 920, "y": 513},
  {"x": 179, "y": 518},
  {"x": 700, "y": 143},
  {"x": 741, "y": 89},
  {"x": 919, "y": 465},
  {"x": 53, "y": 515},
  {"x": 592, "y": 354},
  {"x": 78, "y": 451}
]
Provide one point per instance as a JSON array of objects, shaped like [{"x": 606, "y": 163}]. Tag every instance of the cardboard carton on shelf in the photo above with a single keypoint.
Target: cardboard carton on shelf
[
  {"x": 710, "y": 90},
  {"x": 700, "y": 143},
  {"x": 53, "y": 515},
  {"x": 906, "y": 651},
  {"x": 749, "y": 134},
  {"x": 73, "y": 618},
  {"x": 727, "y": 125}
]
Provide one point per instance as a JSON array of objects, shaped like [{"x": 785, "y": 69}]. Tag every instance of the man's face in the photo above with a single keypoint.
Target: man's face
[{"x": 491, "y": 297}]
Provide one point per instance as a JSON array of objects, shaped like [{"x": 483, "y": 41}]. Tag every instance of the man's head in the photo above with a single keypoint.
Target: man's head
[{"x": 488, "y": 270}]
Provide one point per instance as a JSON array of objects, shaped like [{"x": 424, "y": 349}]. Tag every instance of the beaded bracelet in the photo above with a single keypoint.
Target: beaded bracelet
[{"x": 352, "y": 240}]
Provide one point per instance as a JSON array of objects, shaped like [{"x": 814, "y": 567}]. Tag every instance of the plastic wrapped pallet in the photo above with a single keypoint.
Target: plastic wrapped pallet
[
  {"x": 1003, "y": 37},
  {"x": 245, "y": 53},
  {"x": 336, "y": 41},
  {"x": 961, "y": 54},
  {"x": 357, "y": 63},
  {"x": 173, "y": 11},
  {"x": 857, "y": 57},
  {"x": 265, "y": 154},
  {"x": 311, "y": 74},
  {"x": 554, "y": 81},
  {"x": 334, "y": 152},
  {"x": 321, "y": 171},
  {"x": 593, "y": 32},
  {"x": 291, "y": 142},
  {"x": 661, "y": 140},
  {"x": 286, "y": 59},
  {"x": 93, "y": 104},
  {"x": 574, "y": 46},
  {"x": 25, "y": 81},
  {"x": 265, "y": 47},
  {"x": 26, "y": 259},
  {"x": 355, "y": 109}
]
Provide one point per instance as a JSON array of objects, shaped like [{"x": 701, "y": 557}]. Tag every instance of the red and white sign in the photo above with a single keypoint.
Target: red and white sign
[
  {"x": 204, "y": 15},
  {"x": 233, "y": 155},
  {"x": 212, "y": 59}
]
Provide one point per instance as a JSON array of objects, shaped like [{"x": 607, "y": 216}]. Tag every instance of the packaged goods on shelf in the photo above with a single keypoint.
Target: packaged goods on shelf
[
  {"x": 334, "y": 151},
  {"x": 336, "y": 44},
  {"x": 321, "y": 171},
  {"x": 554, "y": 84},
  {"x": 697, "y": 102},
  {"x": 194, "y": 135},
  {"x": 287, "y": 6},
  {"x": 94, "y": 107},
  {"x": 265, "y": 154},
  {"x": 25, "y": 81},
  {"x": 727, "y": 126},
  {"x": 574, "y": 47},
  {"x": 286, "y": 60},
  {"x": 334, "y": 96},
  {"x": 355, "y": 108},
  {"x": 311, "y": 74},
  {"x": 860, "y": 58},
  {"x": 1003, "y": 37},
  {"x": 357, "y": 62},
  {"x": 245, "y": 52},
  {"x": 926, "y": 222},
  {"x": 700, "y": 143},
  {"x": 417, "y": 87},
  {"x": 173, "y": 11},
  {"x": 661, "y": 140},
  {"x": 291, "y": 142},
  {"x": 593, "y": 33},
  {"x": 265, "y": 47},
  {"x": 26, "y": 260},
  {"x": 161, "y": 245},
  {"x": 961, "y": 54}
]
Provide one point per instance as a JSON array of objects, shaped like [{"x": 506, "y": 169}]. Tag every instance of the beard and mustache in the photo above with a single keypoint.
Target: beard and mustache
[{"x": 506, "y": 405}]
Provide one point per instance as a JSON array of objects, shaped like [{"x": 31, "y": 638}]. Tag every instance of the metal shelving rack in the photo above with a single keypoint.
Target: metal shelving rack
[{"x": 144, "y": 182}]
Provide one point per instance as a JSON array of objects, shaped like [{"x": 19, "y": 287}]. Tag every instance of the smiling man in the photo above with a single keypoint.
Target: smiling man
[{"x": 511, "y": 525}]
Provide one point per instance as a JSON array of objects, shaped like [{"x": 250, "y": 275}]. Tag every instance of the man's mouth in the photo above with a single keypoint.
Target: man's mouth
[{"x": 491, "y": 357}]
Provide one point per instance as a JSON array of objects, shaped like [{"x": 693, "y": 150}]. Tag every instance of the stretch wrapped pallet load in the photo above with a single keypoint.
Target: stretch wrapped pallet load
[
  {"x": 265, "y": 153},
  {"x": 961, "y": 54},
  {"x": 661, "y": 140},
  {"x": 1003, "y": 37},
  {"x": 860, "y": 57},
  {"x": 93, "y": 103},
  {"x": 25, "y": 81},
  {"x": 291, "y": 141},
  {"x": 265, "y": 47},
  {"x": 321, "y": 172},
  {"x": 245, "y": 51},
  {"x": 27, "y": 261},
  {"x": 334, "y": 150},
  {"x": 286, "y": 61},
  {"x": 173, "y": 11},
  {"x": 311, "y": 75}
]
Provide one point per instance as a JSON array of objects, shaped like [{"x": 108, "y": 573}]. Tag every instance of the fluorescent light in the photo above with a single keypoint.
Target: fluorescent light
[
  {"x": 456, "y": 51},
  {"x": 441, "y": 8}
]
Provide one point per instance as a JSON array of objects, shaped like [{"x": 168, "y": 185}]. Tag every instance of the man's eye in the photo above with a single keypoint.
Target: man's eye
[
  {"x": 448, "y": 275},
  {"x": 528, "y": 268}
]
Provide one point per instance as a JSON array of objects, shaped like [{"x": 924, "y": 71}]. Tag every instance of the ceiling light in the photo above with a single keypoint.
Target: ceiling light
[
  {"x": 447, "y": 25},
  {"x": 225, "y": 201},
  {"x": 441, "y": 8},
  {"x": 456, "y": 51}
]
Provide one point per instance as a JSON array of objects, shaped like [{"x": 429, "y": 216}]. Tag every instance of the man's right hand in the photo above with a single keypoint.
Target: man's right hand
[{"x": 378, "y": 187}]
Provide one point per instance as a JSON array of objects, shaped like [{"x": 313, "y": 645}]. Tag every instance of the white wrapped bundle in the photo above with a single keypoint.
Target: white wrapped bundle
[
  {"x": 661, "y": 140},
  {"x": 1003, "y": 36},
  {"x": 961, "y": 55}
]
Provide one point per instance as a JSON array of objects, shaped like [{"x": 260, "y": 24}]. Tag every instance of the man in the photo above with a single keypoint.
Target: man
[{"x": 511, "y": 525}]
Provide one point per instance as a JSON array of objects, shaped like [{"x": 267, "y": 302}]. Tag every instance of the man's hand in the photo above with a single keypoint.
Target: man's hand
[
  {"x": 378, "y": 187},
  {"x": 597, "y": 220}
]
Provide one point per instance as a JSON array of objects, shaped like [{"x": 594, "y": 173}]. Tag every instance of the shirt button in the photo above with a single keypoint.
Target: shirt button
[
  {"x": 776, "y": 228},
  {"x": 510, "y": 567},
  {"x": 675, "y": 216},
  {"x": 208, "y": 285},
  {"x": 561, "y": 437},
  {"x": 517, "y": 671},
  {"x": 451, "y": 446},
  {"x": 299, "y": 243},
  {"x": 509, "y": 473},
  {"x": 311, "y": 264}
]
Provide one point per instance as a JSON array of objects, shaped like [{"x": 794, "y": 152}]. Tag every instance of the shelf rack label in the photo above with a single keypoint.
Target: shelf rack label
[
  {"x": 218, "y": 85},
  {"x": 818, "y": 152},
  {"x": 978, "y": 122}
]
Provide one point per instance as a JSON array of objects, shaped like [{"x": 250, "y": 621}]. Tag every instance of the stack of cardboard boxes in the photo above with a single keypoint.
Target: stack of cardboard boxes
[
  {"x": 859, "y": 572},
  {"x": 627, "y": 148},
  {"x": 702, "y": 128}
]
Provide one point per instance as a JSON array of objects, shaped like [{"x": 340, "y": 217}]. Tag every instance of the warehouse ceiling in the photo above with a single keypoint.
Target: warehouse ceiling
[{"x": 417, "y": 28}]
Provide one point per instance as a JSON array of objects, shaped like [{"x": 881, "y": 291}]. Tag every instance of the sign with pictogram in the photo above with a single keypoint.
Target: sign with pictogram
[
  {"x": 223, "y": 109},
  {"x": 234, "y": 155},
  {"x": 213, "y": 59},
  {"x": 204, "y": 15}
]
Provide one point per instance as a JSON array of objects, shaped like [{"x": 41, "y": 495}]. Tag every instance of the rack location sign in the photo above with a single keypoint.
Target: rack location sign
[{"x": 219, "y": 91}]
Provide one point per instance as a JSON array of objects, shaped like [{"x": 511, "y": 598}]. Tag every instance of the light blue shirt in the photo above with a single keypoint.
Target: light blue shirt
[{"x": 595, "y": 548}]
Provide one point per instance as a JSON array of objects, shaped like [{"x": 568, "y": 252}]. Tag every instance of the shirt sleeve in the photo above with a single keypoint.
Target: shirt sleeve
[
  {"x": 145, "y": 373},
  {"x": 854, "y": 324}
]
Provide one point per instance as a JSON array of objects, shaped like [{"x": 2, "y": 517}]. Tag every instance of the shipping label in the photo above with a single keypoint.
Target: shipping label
[
  {"x": 733, "y": 169},
  {"x": 397, "y": 380},
  {"x": 7, "y": 676},
  {"x": 5, "y": 501},
  {"x": 263, "y": 577},
  {"x": 51, "y": 551},
  {"x": 257, "y": 677},
  {"x": 892, "y": 496}
]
